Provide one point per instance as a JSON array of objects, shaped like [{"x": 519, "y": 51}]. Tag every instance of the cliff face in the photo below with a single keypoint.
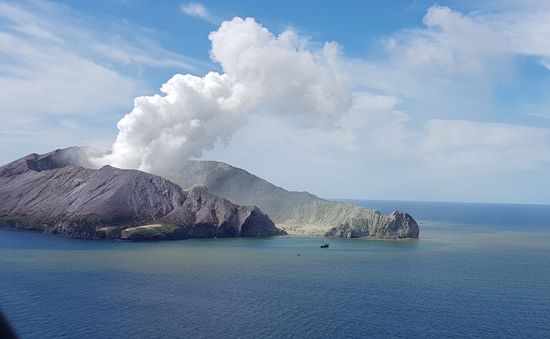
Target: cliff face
[
  {"x": 49, "y": 193},
  {"x": 296, "y": 212},
  {"x": 395, "y": 226}
]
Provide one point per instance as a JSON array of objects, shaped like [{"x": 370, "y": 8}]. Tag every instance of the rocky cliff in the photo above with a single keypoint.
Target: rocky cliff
[
  {"x": 395, "y": 226},
  {"x": 54, "y": 193},
  {"x": 296, "y": 212}
]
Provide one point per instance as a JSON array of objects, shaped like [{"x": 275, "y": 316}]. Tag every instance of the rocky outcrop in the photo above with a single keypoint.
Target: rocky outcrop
[
  {"x": 298, "y": 213},
  {"x": 50, "y": 193},
  {"x": 395, "y": 226}
]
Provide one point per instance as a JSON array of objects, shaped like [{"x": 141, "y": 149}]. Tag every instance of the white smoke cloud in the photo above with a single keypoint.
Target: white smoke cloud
[
  {"x": 162, "y": 132},
  {"x": 263, "y": 73}
]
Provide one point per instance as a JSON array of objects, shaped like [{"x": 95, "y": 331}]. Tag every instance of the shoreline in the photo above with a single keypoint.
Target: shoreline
[{"x": 289, "y": 235}]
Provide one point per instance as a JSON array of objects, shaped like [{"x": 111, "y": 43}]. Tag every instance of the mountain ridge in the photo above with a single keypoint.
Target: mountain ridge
[
  {"x": 298, "y": 213},
  {"x": 50, "y": 193}
]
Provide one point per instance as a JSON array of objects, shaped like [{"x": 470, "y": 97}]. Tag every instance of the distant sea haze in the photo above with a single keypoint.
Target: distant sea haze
[{"x": 477, "y": 270}]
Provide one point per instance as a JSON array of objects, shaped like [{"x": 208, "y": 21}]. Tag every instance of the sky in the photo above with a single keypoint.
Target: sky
[{"x": 397, "y": 100}]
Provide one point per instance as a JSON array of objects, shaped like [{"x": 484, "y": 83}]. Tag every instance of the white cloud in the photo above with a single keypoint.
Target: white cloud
[
  {"x": 283, "y": 74},
  {"x": 526, "y": 25},
  {"x": 162, "y": 132},
  {"x": 451, "y": 43},
  {"x": 51, "y": 80},
  {"x": 379, "y": 152},
  {"x": 197, "y": 10},
  {"x": 57, "y": 25},
  {"x": 468, "y": 146},
  {"x": 43, "y": 75},
  {"x": 452, "y": 53},
  {"x": 57, "y": 64},
  {"x": 304, "y": 106},
  {"x": 466, "y": 44},
  {"x": 263, "y": 74},
  {"x": 303, "y": 113},
  {"x": 544, "y": 115}
]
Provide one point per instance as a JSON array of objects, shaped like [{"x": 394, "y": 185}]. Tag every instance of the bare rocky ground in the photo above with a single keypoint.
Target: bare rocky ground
[
  {"x": 50, "y": 193},
  {"x": 298, "y": 213}
]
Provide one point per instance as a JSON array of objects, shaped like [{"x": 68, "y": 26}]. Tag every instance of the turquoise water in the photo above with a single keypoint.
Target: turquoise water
[{"x": 479, "y": 270}]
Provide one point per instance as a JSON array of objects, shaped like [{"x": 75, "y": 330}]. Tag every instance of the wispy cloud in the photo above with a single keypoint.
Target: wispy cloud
[
  {"x": 420, "y": 115},
  {"x": 112, "y": 41},
  {"x": 197, "y": 10},
  {"x": 544, "y": 115},
  {"x": 59, "y": 64}
]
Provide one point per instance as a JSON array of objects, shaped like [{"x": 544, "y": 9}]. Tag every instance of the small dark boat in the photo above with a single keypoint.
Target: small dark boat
[{"x": 324, "y": 244}]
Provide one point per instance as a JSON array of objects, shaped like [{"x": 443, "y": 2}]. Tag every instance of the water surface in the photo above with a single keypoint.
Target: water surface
[{"x": 479, "y": 270}]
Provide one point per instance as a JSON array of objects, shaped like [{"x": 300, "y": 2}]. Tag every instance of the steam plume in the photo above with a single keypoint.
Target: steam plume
[{"x": 262, "y": 74}]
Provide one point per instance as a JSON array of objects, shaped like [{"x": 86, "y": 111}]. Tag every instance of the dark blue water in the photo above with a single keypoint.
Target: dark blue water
[{"x": 479, "y": 270}]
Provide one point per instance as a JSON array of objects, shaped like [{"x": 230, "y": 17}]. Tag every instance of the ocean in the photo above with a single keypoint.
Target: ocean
[{"x": 478, "y": 270}]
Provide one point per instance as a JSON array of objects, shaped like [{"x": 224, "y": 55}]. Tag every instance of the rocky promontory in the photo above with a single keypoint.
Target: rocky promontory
[{"x": 397, "y": 225}]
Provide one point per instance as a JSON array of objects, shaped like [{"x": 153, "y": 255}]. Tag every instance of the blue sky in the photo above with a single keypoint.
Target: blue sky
[{"x": 412, "y": 100}]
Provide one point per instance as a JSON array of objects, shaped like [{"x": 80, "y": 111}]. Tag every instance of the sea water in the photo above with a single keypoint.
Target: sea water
[{"x": 478, "y": 270}]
